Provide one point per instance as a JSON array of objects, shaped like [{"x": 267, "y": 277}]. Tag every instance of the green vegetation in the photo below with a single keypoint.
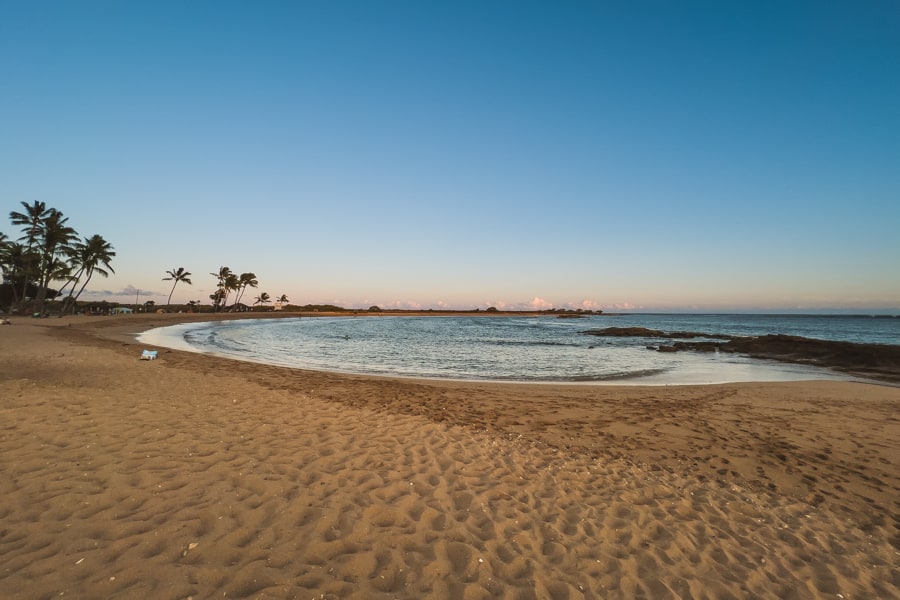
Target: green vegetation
[
  {"x": 176, "y": 275},
  {"x": 244, "y": 281},
  {"x": 327, "y": 308},
  {"x": 48, "y": 251},
  {"x": 263, "y": 299},
  {"x": 228, "y": 282}
]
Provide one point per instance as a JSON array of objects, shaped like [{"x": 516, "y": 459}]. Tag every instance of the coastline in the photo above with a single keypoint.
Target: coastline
[
  {"x": 728, "y": 359},
  {"x": 194, "y": 475}
]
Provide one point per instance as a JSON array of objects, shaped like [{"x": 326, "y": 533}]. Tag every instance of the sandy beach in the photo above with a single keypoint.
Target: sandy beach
[{"x": 197, "y": 477}]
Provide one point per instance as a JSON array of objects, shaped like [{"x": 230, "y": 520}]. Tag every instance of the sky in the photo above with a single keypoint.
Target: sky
[{"x": 642, "y": 156}]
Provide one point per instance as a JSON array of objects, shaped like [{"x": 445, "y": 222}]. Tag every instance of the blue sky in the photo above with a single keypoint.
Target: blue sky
[{"x": 640, "y": 155}]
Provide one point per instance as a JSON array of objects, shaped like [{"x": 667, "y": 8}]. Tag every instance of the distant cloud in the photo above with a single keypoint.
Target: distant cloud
[
  {"x": 589, "y": 305},
  {"x": 586, "y": 304},
  {"x": 539, "y": 304},
  {"x": 498, "y": 304},
  {"x": 622, "y": 306},
  {"x": 535, "y": 304},
  {"x": 404, "y": 305},
  {"x": 128, "y": 291}
]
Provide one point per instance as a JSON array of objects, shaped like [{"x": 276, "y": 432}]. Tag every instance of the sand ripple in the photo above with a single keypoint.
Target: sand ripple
[{"x": 188, "y": 480}]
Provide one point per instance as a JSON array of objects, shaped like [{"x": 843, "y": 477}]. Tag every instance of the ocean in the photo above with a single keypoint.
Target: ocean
[{"x": 519, "y": 348}]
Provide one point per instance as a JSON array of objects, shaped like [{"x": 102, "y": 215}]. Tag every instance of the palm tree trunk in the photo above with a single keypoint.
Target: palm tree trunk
[
  {"x": 74, "y": 281},
  {"x": 44, "y": 275},
  {"x": 84, "y": 285},
  {"x": 26, "y": 277}
]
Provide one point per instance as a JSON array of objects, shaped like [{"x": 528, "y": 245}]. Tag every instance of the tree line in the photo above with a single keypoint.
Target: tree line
[
  {"x": 49, "y": 250},
  {"x": 227, "y": 283}
]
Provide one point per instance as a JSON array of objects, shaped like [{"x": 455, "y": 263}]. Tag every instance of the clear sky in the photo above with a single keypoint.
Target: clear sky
[{"x": 617, "y": 155}]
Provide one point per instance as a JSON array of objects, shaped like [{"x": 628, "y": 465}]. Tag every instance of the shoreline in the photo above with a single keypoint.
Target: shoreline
[
  {"x": 806, "y": 359},
  {"x": 200, "y": 476}
]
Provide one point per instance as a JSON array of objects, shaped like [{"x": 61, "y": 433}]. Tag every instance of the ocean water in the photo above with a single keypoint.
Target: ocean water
[{"x": 518, "y": 348}]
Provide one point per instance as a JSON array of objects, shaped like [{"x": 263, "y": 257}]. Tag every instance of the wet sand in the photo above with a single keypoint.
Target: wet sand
[{"x": 198, "y": 477}]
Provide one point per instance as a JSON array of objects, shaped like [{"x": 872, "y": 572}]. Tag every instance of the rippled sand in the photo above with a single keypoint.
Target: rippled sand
[{"x": 197, "y": 477}]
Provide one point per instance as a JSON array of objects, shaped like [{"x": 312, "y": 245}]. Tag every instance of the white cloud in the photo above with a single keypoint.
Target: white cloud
[
  {"x": 538, "y": 303},
  {"x": 585, "y": 305},
  {"x": 129, "y": 291},
  {"x": 620, "y": 306},
  {"x": 403, "y": 305}
]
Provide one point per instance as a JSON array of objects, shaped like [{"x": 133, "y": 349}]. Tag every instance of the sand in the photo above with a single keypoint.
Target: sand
[{"x": 198, "y": 477}]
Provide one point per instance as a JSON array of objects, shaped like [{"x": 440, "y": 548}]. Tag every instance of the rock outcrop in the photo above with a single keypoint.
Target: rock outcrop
[{"x": 879, "y": 361}]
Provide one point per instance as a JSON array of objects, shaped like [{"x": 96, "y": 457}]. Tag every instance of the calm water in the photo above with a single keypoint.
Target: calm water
[{"x": 542, "y": 348}]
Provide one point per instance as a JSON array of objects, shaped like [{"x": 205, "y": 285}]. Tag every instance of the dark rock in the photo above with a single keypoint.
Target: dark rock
[
  {"x": 880, "y": 361},
  {"x": 644, "y": 332}
]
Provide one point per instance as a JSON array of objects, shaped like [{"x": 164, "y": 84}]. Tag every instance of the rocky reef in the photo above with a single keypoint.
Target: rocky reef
[
  {"x": 653, "y": 333},
  {"x": 878, "y": 361}
]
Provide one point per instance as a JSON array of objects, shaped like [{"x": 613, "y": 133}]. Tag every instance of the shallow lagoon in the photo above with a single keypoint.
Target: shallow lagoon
[{"x": 516, "y": 348}]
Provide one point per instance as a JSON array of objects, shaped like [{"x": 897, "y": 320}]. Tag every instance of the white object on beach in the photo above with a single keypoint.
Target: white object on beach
[{"x": 149, "y": 355}]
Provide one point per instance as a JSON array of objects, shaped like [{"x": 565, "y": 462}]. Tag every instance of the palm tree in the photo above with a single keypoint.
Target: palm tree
[
  {"x": 50, "y": 250},
  {"x": 55, "y": 240},
  {"x": 94, "y": 255},
  {"x": 5, "y": 257},
  {"x": 177, "y": 275},
  {"x": 221, "y": 294},
  {"x": 31, "y": 221},
  {"x": 232, "y": 283},
  {"x": 217, "y": 298},
  {"x": 83, "y": 256},
  {"x": 244, "y": 281},
  {"x": 283, "y": 299},
  {"x": 13, "y": 260},
  {"x": 263, "y": 298},
  {"x": 7, "y": 266},
  {"x": 72, "y": 275},
  {"x": 59, "y": 269}
]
